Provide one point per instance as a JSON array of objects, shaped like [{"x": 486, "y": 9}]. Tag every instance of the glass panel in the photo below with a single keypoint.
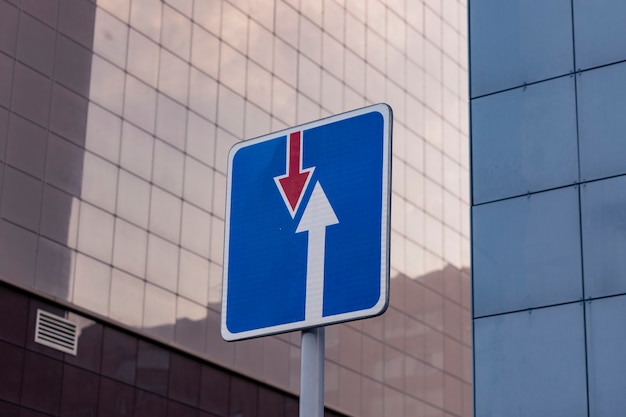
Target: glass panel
[
  {"x": 92, "y": 281},
  {"x": 146, "y": 17},
  {"x": 171, "y": 119},
  {"x": 191, "y": 326},
  {"x": 604, "y": 236},
  {"x": 54, "y": 269},
  {"x": 110, "y": 38},
  {"x": 541, "y": 32},
  {"x": 531, "y": 353},
  {"x": 168, "y": 168},
  {"x": 140, "y": 104},
  {"x": 103, "y": 133},
  {"x": 99, "y": 182},
  {"x": 21, "y": 198},
  {"x": 205, "y": 50},
  {"x": 176, "y": 35},
  {"x": 198, "y": 183},
  {"x": 259, "y": 87},
  {"x": 173, "y": 77},
  {"x": 200, "y": 138},
  {"x": 136, "y": 155},
  {"x": 143, "y": 58},
  {"x": 133, "y": 199},
  {"x": 203, "y": 94},
  {"x": 118, "y": 8},
  {"x": 196, "y": 230},
  {"x": 95, "y": 232},
  {"x": 107, "y": 85},
  {"x": 129, "y": 248},
  {"x": 261, "y": 45},
  {"x": 126, "y": 303},
  {"x": 159, "y": 314},
  {"x": 601, "y": 96},
  {"x": 526, "y": 252},
  {"x": 162, "y": 263},
  {"x": 606, "y": 342},
  {"x": 599, "y": 32},
  {"x": 233, "y": 69},
  {"x": 524, "y": 140},
  {"x": 193, "y": 281}
]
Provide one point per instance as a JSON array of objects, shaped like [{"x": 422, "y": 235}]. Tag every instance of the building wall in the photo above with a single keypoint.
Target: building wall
[
  {"x": 116, "y": 117},
  {"x": 548, "y": 89},
  {"x": 116, "y": 373}
]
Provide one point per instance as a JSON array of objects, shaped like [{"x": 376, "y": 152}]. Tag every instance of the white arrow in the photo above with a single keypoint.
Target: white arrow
[{"x": 318, "y": 214}]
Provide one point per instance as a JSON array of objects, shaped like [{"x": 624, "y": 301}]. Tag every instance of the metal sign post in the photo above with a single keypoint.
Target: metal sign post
[{"x": 312, "y": 372}]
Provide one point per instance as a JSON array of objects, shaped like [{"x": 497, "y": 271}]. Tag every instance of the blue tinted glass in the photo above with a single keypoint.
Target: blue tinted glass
[
  {"x": 606, "y": 343},
  {"x": 599, "y": 31},
  {"x": 601, "y": 103},
  {"x": 518, "y": 41},
  {"x": 603, "y": 206},
  {"x": 524, "y": 140},
  {"x": 531, "y": 363},
  {"x": 526, "y": 252}
]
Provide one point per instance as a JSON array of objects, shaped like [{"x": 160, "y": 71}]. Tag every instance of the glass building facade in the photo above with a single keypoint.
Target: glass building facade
[
  {"x": 116, "y": 118},
  {"x": 548, "y": 85}
]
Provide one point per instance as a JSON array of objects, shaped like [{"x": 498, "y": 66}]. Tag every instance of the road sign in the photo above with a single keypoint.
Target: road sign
[{"x": 307, "y": 225}]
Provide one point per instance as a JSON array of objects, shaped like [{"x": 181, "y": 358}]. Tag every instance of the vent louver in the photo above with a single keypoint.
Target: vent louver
[{"x": 56, "y": 332}]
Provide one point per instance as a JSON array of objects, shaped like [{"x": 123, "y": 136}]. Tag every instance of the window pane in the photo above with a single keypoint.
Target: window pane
[
  {"x": 533, "y": 42},
  {"x": 599, "y": 32},
  {"x": 604, "y": 237},
  {"x": 526, "y": 252},
  {"x": 606, "y": 342},
  {"x": 520, "y": 357},
  {"x": 602, "y": 96},
  {"x": 524, "y": 140}
]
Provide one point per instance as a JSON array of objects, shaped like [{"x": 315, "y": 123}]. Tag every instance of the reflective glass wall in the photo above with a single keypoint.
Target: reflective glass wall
[
  {"x": 116, "y": 117},
  {"x": 548, "y": 85}
]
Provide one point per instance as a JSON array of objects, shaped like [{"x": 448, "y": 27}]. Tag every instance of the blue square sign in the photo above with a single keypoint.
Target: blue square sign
[{"x": 307, "y": 225}]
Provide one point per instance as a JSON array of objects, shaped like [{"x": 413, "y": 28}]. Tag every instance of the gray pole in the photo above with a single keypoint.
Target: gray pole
[{"x": 312, "y": 372}]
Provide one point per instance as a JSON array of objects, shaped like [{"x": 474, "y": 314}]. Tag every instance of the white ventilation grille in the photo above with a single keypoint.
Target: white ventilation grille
[{"x": 56, "y": 332}]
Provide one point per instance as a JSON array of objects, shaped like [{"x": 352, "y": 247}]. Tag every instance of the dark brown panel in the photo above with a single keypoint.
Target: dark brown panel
[
  {"x": 13, "y": 314},
  {"x": 153, "y": 365},
  {"x": 11, "y": 364},
  {"x": 175, "y": 409},
  {"x": 119, "y": 353},
  {"x": 271, "y": 403},
  {"x": 214, "y": 391},
  {"x": 41, "y": 389},
  {"x": 184, "y": 383},
  {"x": 80, "y": 392},
  {"x": 243, "y": 397},
  {"x": 149, "y": 405},
  {"x": 116, "y": 399}
]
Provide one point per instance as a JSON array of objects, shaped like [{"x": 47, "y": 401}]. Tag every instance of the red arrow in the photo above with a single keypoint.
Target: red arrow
[{"x": 294, "y": 182}]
